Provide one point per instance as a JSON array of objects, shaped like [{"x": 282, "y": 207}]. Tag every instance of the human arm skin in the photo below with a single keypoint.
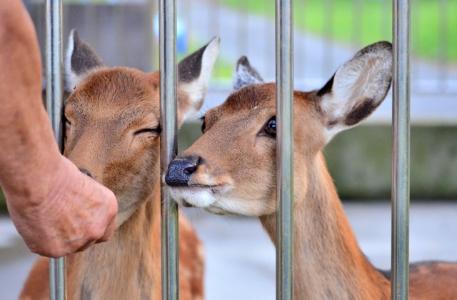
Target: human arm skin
[{"x": 55, "y": 208}]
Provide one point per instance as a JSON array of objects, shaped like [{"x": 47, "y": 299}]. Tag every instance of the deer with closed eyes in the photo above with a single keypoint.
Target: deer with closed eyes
[{"x": 113, "y": 135}]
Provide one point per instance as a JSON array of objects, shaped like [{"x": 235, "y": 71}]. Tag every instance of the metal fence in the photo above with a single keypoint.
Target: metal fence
[
  {"x": 54, "y": 104},
  {"x": 284, "y": 51},
  {"x": 247, "y": 25}
]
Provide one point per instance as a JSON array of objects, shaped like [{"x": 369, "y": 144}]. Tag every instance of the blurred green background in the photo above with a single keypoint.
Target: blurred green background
[{"x": 365, "y": 22}]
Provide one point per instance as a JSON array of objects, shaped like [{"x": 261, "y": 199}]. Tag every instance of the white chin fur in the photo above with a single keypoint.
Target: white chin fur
[
  {"x": 198, "y": 197},
  {"x": 220, "y": 204}
]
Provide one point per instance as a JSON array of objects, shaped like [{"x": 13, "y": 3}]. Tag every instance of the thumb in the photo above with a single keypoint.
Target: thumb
[
  {"x": 110, "y": 200},
  {"x": 108, "y": 207}
]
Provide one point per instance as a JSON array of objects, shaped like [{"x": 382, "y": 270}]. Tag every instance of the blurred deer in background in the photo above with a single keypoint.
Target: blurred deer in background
[
  {"x": 113, "y": 135},
  {"x": 231, "y": 169}
]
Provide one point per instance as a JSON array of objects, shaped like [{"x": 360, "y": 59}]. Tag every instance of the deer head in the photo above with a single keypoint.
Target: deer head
[
  {"x": 113, "y": 118},
  {"x": 231, "y": 168}
]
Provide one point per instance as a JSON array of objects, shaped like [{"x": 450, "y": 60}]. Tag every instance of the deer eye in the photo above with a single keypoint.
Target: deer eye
[
  {"x": 155, "y": 131},
  {"x": 270, "y": 127},
  {"x": 203, "y": 124}
]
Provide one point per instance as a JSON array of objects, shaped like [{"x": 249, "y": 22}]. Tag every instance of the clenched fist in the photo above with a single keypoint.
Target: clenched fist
[{"x": 67, "y": 212}]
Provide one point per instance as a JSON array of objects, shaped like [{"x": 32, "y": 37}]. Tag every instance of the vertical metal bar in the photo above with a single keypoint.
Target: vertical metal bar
[
  {"x": 401, "y": 150},
  {"x": 168, "y": 141},
  {"x": 54, "y": 95},
  {"x": 284, "y": 111}
]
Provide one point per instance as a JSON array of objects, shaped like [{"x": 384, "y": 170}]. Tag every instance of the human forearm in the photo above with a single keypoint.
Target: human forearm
[
  {"x": 56, "y": 208},
  {"x": 28, "y": 148}
]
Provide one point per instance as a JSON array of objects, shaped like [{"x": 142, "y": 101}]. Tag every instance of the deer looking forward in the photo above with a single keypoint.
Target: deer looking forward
[
  {"x": 231, "y": 169},
  {"x": 113, "y": 135}
]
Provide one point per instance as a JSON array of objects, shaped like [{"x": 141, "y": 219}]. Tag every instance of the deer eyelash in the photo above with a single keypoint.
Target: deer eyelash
[{"x": 148, "y": 130}]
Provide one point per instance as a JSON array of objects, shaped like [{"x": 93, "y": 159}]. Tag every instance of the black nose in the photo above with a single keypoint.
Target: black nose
[
  {"x": 180, "y": 170},
  {"x": 85, "y": 171}
]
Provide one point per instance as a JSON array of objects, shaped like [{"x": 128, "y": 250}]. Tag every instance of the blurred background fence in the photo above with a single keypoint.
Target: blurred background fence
[{"x": 327, "y": 32}]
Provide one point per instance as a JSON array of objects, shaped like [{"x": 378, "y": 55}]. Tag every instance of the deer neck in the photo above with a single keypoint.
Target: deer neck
[
  {"x": 122, "y": 267},
  {"x": 328, "y": 263}
]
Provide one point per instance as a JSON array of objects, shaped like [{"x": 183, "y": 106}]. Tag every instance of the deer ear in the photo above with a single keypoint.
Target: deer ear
[
  {"x": 357, "y": 88},
  {"x": 245, "y": 74},
  {"x": 80, "y": 59},
  {"x": 194, "y": 73}
]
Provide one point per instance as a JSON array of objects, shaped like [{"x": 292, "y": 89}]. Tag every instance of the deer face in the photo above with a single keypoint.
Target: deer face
[
  {"x": 231, "y": 168},
  {"x": 113, "y": 119}
]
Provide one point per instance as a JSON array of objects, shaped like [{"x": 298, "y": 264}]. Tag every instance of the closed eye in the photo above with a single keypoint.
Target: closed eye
[{"x": 155, "y": 130}]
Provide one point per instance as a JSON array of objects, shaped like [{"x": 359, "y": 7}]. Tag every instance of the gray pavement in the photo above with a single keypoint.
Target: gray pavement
[{"x": 240, "y": 258}]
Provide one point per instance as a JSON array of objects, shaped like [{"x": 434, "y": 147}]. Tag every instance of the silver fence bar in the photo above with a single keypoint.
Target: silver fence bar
[
  {"x": 168, "y": 141},
  {"x": 54, "y": 97},
  {"x": 284, "y": 115},
  {"x": 401, "y": 150}
]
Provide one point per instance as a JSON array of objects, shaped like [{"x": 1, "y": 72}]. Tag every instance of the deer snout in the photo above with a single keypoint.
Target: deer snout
[{"x": 181, "y": 169}]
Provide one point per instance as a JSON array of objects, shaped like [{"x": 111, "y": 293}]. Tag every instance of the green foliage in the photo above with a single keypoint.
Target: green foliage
[{"x": 363, "y": 22}]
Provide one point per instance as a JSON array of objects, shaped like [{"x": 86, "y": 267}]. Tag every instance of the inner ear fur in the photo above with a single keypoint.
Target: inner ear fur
[
  {"x": 194, "y": 73},
  {"x": 245, "y": 74},
  {"x": 80, "y": 60},
  {"x": 357, "y": 88}
]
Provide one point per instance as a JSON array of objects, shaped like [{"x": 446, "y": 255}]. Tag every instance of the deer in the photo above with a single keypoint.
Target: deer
[
  {"x": 112, "y": 133},
  {"x": 231, "y": 169}
]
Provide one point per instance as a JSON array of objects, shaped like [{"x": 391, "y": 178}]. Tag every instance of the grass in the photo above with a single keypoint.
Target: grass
[{"x": 371, "y": 22}]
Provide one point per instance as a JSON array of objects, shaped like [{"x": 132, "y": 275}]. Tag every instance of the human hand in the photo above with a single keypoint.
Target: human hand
[{"x": 65, "y": 212}]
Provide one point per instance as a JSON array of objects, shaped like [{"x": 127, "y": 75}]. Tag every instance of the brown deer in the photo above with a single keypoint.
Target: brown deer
[
  {"x": 231, "y": 169},
  {"x": 113, "y": 135}
]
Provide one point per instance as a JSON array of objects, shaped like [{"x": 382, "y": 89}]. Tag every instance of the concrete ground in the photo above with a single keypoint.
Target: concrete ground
[{"x": 240, "y": 258}]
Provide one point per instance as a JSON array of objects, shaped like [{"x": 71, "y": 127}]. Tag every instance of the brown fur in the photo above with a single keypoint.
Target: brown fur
[
  {"x": 104, "y": 111},
  {"x": 239, "y": 173}
]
